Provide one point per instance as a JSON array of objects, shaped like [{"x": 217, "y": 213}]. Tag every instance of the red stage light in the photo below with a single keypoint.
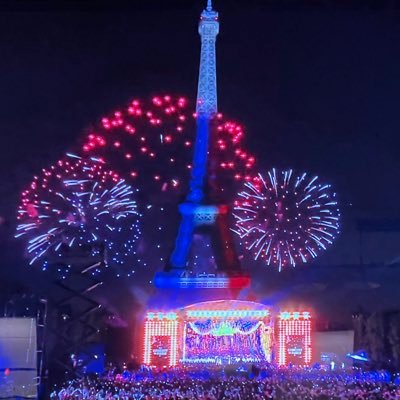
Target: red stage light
[{"x": 294, "y": 341}]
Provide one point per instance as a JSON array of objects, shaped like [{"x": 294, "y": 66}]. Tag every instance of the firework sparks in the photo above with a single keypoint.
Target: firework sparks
[{"x": 286, "y": 219}]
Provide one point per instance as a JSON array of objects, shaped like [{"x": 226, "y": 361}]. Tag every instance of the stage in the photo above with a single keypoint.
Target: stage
[{"x": 226, "y": 332}]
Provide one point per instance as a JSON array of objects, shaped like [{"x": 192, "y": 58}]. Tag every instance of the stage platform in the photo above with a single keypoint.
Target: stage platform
[{"x": 226, "y": 332}]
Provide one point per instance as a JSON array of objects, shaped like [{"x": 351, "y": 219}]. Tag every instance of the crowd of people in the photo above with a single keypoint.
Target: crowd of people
[{"x": 218, "y": 384}]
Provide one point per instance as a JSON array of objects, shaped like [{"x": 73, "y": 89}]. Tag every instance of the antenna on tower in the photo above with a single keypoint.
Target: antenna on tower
[{"x": 209, "y": 5}]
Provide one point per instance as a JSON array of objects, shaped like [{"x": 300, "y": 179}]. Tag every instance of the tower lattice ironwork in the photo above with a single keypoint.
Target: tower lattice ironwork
[{"x": 201, "y": 211}]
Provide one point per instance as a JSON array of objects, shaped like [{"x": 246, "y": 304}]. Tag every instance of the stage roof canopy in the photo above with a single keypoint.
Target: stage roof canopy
[{"x": 225, "y": 305}]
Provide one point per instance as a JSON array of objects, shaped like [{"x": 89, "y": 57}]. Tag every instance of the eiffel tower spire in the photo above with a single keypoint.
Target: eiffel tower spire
[
  {"x": 207, "y": 87},
  {"x": 206, "y": 104}
]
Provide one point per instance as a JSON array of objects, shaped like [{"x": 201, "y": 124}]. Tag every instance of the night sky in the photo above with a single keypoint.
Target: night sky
[{"x": 315, "y": 83}]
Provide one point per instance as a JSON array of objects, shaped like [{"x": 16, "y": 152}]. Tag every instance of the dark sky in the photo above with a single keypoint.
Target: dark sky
[{"x": 316, "y": 84}]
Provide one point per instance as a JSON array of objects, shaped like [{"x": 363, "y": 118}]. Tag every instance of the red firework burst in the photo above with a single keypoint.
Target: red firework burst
[{"x": 151, "y": 140}]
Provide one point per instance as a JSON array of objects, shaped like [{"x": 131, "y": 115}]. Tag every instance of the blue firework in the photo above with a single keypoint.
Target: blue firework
[
  {"x": 78, "y": 206},
  {"x": 286, "y": 218}
]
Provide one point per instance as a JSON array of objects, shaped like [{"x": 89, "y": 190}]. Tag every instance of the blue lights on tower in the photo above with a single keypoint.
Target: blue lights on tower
[{"x": 206, "y": 109}]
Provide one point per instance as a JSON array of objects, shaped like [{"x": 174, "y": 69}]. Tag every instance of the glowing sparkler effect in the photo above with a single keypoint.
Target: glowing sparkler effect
[
  {"x": 286, "y": 219},
  {"x": 75, "y": 205}
]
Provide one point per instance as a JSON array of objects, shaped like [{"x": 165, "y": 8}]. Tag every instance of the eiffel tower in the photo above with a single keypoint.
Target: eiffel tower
[{"x": 201, "y": 212}]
